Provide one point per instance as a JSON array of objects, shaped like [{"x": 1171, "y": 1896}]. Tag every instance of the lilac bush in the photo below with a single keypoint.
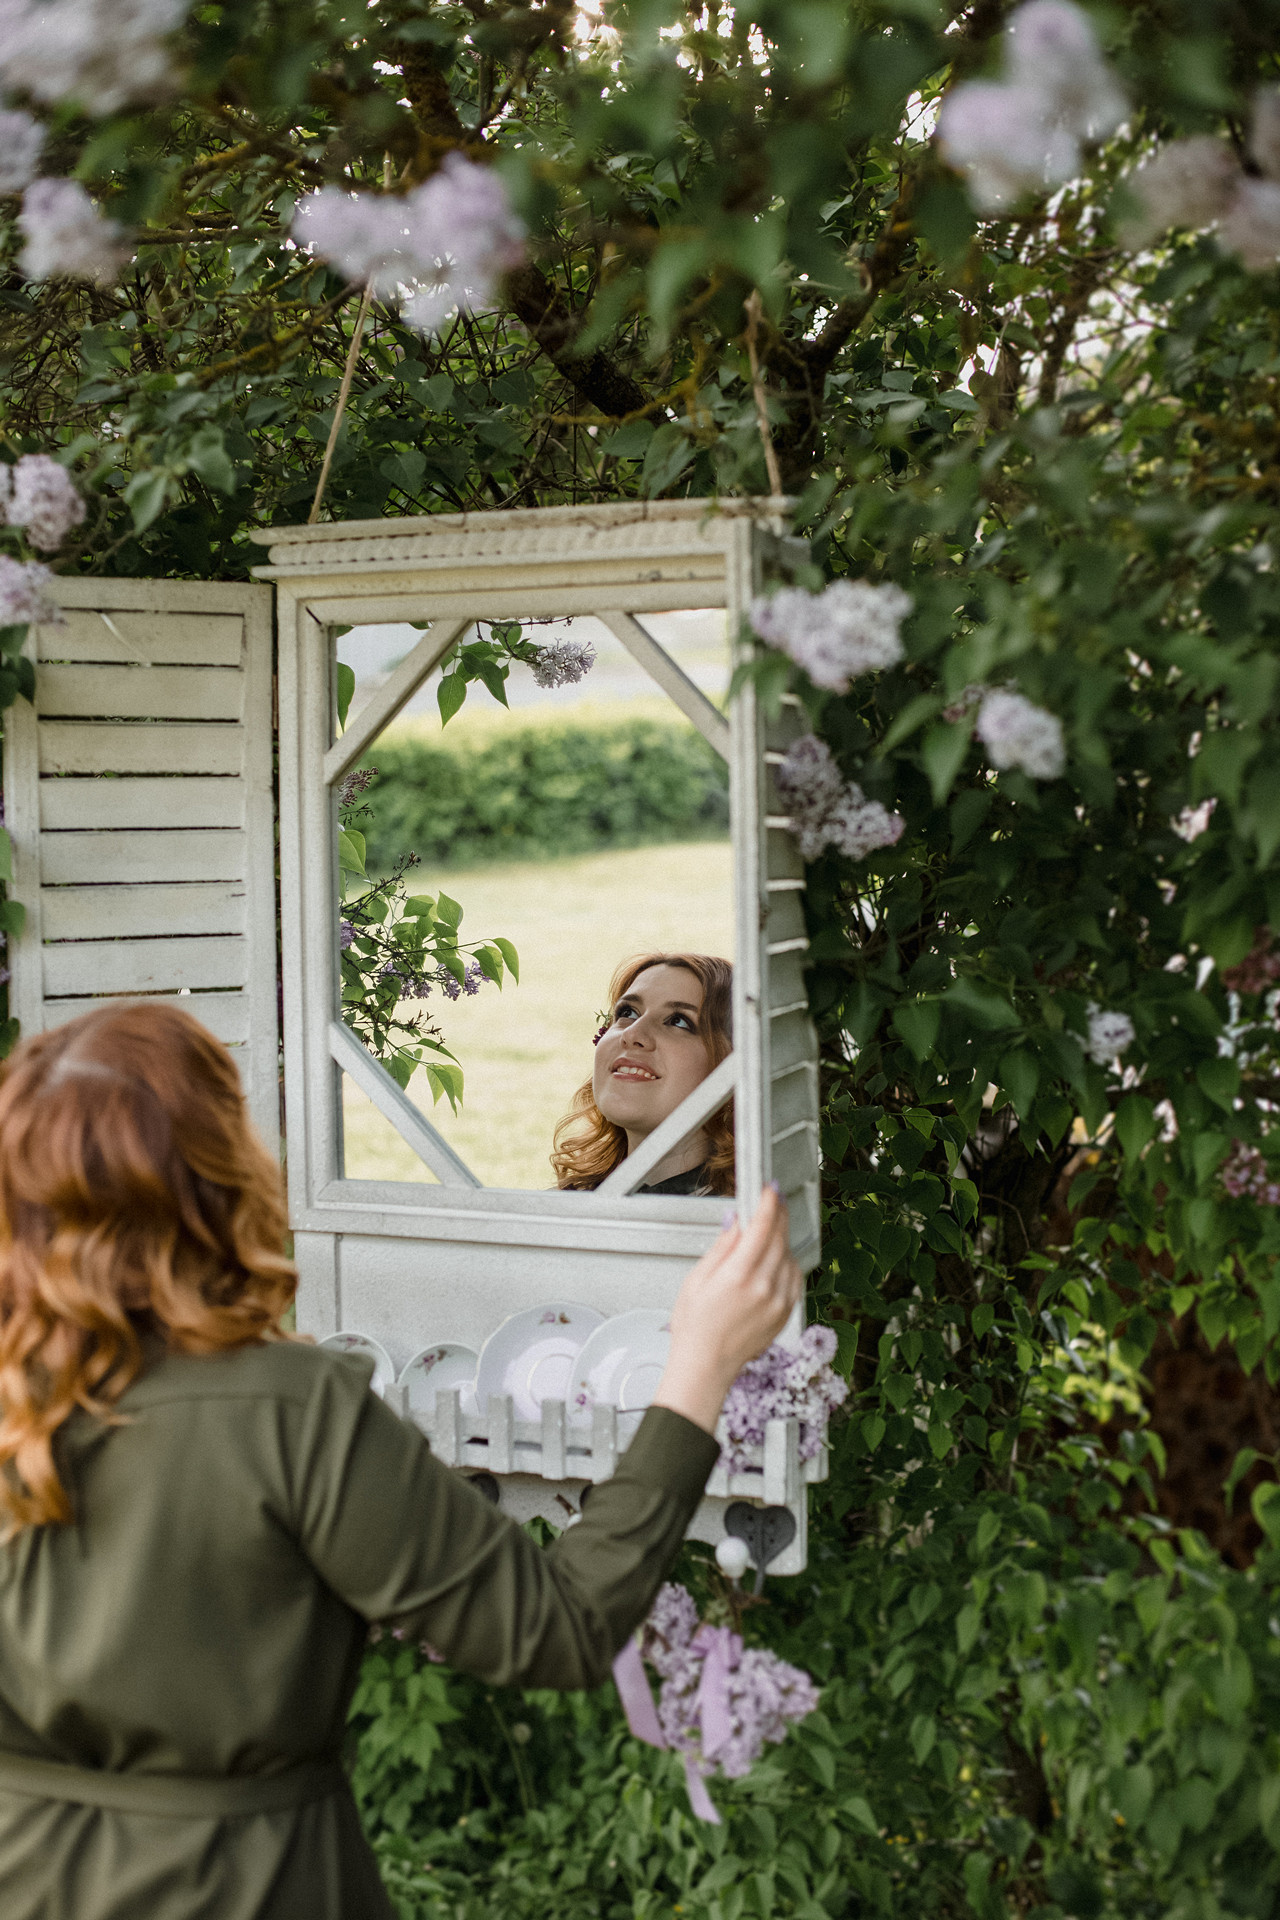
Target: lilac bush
[{"x": 783, "y": 1384}]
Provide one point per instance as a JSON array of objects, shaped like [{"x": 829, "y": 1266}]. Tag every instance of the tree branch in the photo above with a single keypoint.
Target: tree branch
[{"x": 541, "y": 307}]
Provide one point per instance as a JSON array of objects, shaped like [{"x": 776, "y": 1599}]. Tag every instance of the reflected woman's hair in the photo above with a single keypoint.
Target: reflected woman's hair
[{"x": 588, "y": 1146}]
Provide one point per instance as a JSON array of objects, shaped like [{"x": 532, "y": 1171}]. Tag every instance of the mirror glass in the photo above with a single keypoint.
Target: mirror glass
[{"x": 537, "y": 814}]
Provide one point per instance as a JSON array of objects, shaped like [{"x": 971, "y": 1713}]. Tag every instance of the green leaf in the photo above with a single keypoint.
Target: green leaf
[
  {"x": 1020, "y": 1076},
  {"x": 351, "y": 850},
  {"x": 489, "y": 960},
  {"x": 943, "y": 754},
  {"x": 147, "y": 495},
  {"x": 1135, "y": 1123},
  {"x": 982, "y": 1319},
  {"x": 873, "y": 1430},
  {"x": 207, "y": 456},
  {"x": 1220, "y": 1079},
  {"x": 968, "y": 1621},
  {"x": 420, "y": 906},
  {"x": 857, "y": 1810},
  {"x": 6, "y": 855},
  {"x": 923, "y": 1736},
  {"x": 443, "y": 1078},
  {"x": 448, "y": 912},
  {"x": 13, "y": 916},
  {"x": 344, "y": 688},
  {"x": 510, "y": 955},
  {"x": 917, "y": 1022},
  {"x": 450, "y": 694}
]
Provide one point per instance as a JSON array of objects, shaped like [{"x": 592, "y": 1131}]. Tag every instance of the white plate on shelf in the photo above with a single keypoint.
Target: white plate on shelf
[
  {"x": 532, "y": 1355},
  {"x": 621, "y": 1364},
  {"x": 384, "y": 1373},
  {"x": 445, "y": 1365}
]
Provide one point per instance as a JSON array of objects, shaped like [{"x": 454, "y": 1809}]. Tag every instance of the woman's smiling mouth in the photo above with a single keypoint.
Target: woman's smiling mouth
[{"x": 631, "y": 1070}]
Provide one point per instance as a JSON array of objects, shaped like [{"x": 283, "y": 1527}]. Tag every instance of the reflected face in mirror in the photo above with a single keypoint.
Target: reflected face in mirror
[
  {"x": 670, "y": 1025},
  {"x": 653, "y": 1055}
]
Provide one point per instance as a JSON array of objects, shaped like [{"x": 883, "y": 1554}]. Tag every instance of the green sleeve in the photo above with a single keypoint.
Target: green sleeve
[{"x": 404, "y": 1539}]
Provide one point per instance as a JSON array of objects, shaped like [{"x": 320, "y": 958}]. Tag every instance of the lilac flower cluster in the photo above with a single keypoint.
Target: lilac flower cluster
[
  {"x": 828, "y": 811},
  {"x": 346, "y": 934},
  {"x": 1246, "y": 1175},
  {"x": 354, "y": 786},
  {"x": 851, "y": 627},
  {"x": 563, "y": 664},
  {"x": 436, "y": 249},
  {"x": 67, "y": 238},
  {"x": 1260, "y": 968},
  {"x": 38, "y": 494},
  {"x": 21, "y": 141},
  {"x": 1025, "y": 132},
  {"x": 764, "y": 1695},
  {"x": 1199, "y": 183},
  {"x": 1017, "y": 733},
  {"x": 100, "y": 53},
  {"x": 26, "y": 593},
  {"x": 473, "y": 979},
  {"x": 783, "y": 1384},
  {"x": 1109, "y": 1034}
]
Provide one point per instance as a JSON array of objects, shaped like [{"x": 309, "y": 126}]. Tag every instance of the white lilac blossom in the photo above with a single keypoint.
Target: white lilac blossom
[
  {"x": 828, "y": 811},
  {"x": 42, "y": 498},
  {"x": 1193, "y": 821},
  {"x": 1005, "y": 142},
  {"x": 1109, "y": 1034},
  {"x": 26, "y": 594},
  {"x": 21, "y": 139},
  {"x": 851, "y": 627},
  {"x": 1250, "y": 227},
  {"x": 438, "y": 248},
  {"x": 1199, "y": 183},
  {"x": 1246, "y": 1175},
  {"x": 100, "y": 53},
  {"x": 1016, "y": 733},
  {"x": 1188, "y": 183},
  {"x": 1025, "y": 132},
  {"x": 564, "y": 663},
  {"x": 783, "y": 1384},
  {"x": 67, "y": 238}
]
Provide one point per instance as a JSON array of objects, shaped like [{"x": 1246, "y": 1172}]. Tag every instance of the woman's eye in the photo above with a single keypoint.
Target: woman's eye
[
  {"x": 683, "y": 1020},
  {"x": 624, "y": 1012}
]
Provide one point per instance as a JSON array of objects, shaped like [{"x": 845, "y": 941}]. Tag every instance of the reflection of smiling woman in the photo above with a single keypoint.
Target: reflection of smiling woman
[{"x": 670, "y": 1025}]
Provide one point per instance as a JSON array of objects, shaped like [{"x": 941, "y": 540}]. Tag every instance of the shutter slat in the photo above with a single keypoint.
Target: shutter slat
[
  {"x": 144, "y": 966},
  {"x": 68, "y": 858},
  {"x": 130, "y": 912}
]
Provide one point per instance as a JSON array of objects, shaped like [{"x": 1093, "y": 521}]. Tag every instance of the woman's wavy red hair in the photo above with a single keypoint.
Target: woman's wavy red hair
[
  {"x": 138, "y": 1211},
  {"x": 587, "y": 1147}
]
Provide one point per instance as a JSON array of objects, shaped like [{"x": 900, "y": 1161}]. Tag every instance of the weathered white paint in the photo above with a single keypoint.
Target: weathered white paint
[{"x": 139, "y": 795}]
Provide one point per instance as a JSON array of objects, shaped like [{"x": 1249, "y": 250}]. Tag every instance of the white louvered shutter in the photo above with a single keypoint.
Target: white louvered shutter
[{"x": 139, "y": 796}]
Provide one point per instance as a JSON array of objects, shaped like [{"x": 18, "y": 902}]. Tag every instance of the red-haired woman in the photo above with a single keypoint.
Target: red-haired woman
[
  {"x": 203, "y": 1515},
  {"x": 670, "y": 1024}
]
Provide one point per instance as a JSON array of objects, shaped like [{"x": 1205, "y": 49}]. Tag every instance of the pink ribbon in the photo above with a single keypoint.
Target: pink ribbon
[{"x": 721, "y": 1651}]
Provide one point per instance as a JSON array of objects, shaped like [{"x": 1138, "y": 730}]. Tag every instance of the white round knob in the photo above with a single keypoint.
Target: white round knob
[{"x": 732, "y": 1556}]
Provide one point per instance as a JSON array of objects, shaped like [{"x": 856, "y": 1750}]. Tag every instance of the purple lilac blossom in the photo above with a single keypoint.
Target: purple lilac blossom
[
  {"x": 346, "y": 934},
  {"x": 563, "y": 664},
  {"x": 100, "y": 53},
  {"x": 25, "y": 593},
  {"x": 851, "y": 627},
  {"x": 828, "y": 811},
  {"x": 783, "y": 1384},
  {"x": 43, "y": 499},
  {"x": 67, "y": 238},
  {"x": 764, "y": 1696},
  {"x": 1246, "y": 1175}
]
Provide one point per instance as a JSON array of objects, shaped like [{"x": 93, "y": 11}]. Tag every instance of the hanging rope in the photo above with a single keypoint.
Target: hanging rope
[
  {"x": 755, "y": 310},
  {"x": 353, "y": 353}
]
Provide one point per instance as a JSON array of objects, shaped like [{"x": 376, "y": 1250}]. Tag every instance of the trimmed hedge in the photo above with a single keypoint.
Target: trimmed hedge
[{"x": 536, "y": 792}]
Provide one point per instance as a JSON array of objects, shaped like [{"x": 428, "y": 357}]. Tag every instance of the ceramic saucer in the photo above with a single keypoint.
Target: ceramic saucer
[
  {"x": 384, "y": 1373},
  {"x": 444, "y": 1365},
  {"x": 531, "y": 1356},
  {"x": 621, "y": 1364}
]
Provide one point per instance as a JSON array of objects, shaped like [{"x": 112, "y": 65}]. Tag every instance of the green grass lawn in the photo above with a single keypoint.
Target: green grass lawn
[{"x": 526, "y": 1048}]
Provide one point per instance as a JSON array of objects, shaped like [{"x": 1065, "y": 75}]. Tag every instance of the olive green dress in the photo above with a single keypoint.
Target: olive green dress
[{"x": 176, "y": 1665}]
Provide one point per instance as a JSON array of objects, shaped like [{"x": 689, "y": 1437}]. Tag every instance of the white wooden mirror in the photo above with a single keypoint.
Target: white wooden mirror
[{"x": 440, "y": 1262}]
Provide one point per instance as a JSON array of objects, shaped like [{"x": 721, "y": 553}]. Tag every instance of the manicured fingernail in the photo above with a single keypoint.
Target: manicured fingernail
[
  {"x": 776, "y": 1188},
  {"x": 727, "y": 1219}
]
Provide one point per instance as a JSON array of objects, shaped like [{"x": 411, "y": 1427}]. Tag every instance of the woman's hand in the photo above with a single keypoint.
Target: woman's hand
[{"x": 733, "y": 1303}]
